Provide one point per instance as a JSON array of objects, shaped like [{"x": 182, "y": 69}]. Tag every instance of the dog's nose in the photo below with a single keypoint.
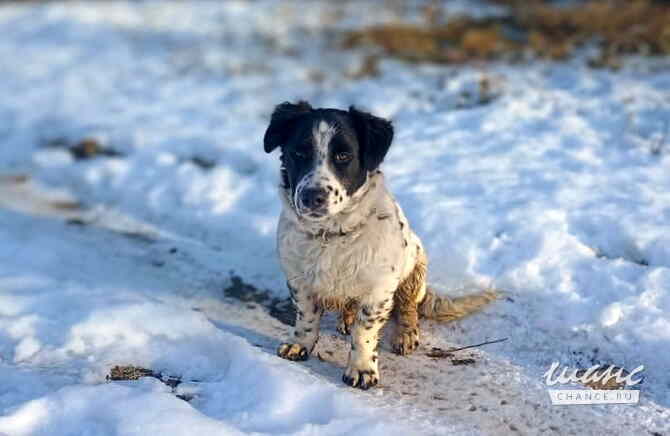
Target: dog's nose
[{"x": 314, "y": 198}]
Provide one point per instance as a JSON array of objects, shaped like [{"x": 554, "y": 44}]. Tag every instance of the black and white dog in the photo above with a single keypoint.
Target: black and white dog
[{"x": 344, "y": 243}]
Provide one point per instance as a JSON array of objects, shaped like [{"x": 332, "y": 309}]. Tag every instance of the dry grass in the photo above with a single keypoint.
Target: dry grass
[
  {"x": 637, "y": 26},
  {"x": 617, "y": 26},
  {"x": 457, "y": 41}
]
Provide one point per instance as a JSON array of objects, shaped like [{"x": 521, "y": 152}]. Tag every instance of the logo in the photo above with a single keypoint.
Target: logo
[{"x": 608, "y": 385}]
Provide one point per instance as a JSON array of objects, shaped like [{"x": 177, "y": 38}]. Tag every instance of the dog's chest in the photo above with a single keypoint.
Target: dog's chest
[{"x": 343, "y": 266}]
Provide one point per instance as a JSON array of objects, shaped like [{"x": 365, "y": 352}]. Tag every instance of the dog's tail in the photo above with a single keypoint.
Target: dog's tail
[{"x": 444, "y": 309}]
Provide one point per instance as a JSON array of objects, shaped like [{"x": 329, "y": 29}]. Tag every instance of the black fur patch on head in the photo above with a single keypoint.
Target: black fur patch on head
[
  {"x": 281, "y": 126},
  {"x": 374, "y": 135},
  {"x": 282, "y": 123}
]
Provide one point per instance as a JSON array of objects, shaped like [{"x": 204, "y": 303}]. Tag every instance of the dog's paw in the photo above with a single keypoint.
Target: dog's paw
[
  {"x": 405, "y": 341},
  {"x": 293, "y": 352},
  {"x": 343, "y": 327},
  {"x": 360, "y": 378}
]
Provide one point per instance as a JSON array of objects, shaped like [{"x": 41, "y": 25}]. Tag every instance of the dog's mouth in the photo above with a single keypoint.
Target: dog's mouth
[{"x": 311, "y": 214}]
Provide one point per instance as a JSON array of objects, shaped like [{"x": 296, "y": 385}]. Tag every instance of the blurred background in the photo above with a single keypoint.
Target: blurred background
[{"x": 281, "y": 50}]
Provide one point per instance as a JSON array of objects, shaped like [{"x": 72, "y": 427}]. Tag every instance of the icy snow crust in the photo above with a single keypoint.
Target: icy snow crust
[{"x": 557, "y": 191}]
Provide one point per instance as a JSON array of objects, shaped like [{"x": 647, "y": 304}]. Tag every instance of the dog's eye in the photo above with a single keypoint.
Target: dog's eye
[{"x": 343, "y": 157}]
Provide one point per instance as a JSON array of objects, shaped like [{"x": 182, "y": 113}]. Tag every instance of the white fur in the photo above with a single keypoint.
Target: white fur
[
  {"x": 367, "y": 261},
  {"x": 322, "y": 174}
]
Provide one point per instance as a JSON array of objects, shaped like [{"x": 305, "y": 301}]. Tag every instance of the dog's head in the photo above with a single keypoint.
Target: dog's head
[{"x": 327, "y": 154}]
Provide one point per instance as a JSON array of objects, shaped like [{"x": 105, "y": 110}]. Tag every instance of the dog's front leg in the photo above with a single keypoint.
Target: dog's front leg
[
  {"x": 306, "y": 331},
  {"x": 362, "y": 370}
]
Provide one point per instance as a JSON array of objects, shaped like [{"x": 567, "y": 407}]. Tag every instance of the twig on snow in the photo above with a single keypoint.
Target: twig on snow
[{"x": 438, "y": 352}]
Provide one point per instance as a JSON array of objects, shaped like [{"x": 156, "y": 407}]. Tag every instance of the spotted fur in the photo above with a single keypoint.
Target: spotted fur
[
  {"x": 343, "y": 241},
  {"x": 410, "y": 291}
]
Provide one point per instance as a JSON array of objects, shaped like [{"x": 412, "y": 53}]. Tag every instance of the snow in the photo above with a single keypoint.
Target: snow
[
  {"x": 66, "y": 319},
  {"x": 553, "y": 186}
]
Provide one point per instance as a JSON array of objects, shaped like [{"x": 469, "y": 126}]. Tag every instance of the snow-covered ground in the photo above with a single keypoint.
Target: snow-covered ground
[{"x": 555, "y": 187}]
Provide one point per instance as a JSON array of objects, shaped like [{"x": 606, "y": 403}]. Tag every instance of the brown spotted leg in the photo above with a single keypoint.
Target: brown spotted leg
[
  {"x": 406, "y": 337},
  {"x": 405, "y": 309},
  {"x": 347, "y": 317},
  {"x": 306, "y": 331},
  {"x": 362, "y": 370}
]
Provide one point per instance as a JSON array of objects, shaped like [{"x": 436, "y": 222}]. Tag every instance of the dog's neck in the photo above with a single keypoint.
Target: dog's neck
[{"x": 351, "y": 219}]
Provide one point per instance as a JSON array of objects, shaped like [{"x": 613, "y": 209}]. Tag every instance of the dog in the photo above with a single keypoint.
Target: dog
[{"x": 344, "y": 243}]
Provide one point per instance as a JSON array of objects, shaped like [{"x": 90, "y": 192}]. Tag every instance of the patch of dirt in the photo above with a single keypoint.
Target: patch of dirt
[
  {"x": 140, "y": 236},
  {"x": 131, "y": 373},
  {"x": 369, "y": 67},
  {"x": 283, "y": 310},
  {"x": 14, "y": 179},
  {"x": 75, "y": 222},
  {"x": 66, "y": 205},
  {"x": 488, "y": 89},
  {"x": 439, "y": 353},
  {"x": 279, "y": 308},
  {"x": 87, "y": 148},
  {"x": 245, "y": 292},
  {"x": 203, "y": 163},
  {"x": 457, "y": 362}
]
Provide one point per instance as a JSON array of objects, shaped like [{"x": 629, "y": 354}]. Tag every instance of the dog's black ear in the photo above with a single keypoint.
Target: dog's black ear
[
  {"x": 280, "y": 125},
  {"x": 374, "y": 136}
]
